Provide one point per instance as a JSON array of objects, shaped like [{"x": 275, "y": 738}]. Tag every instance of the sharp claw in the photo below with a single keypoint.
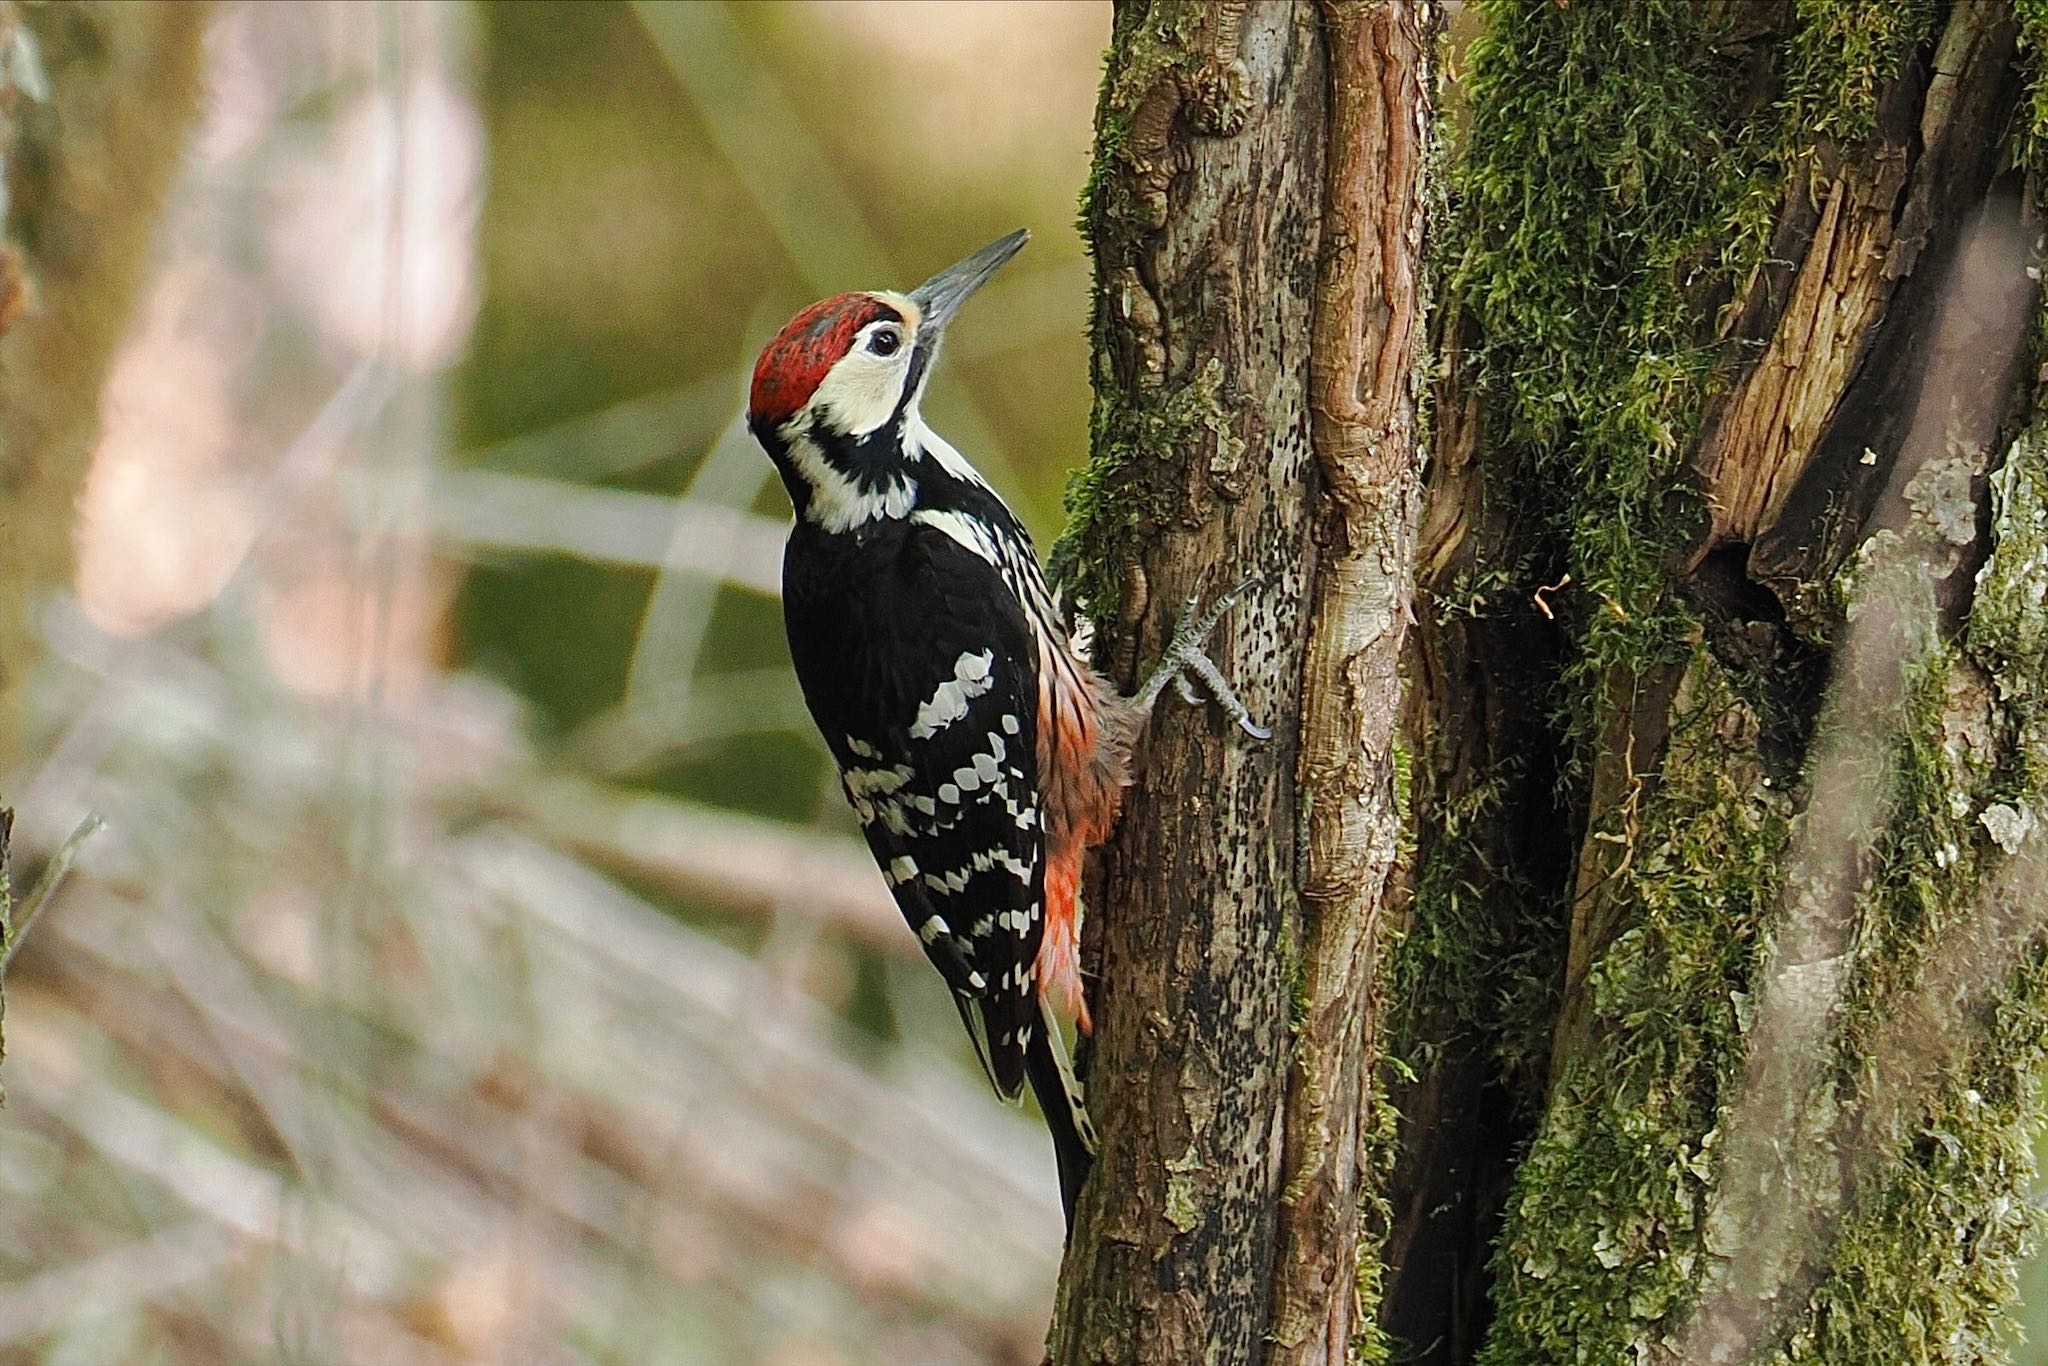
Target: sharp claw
[
  {"x": 1184, "y": 656},
  {"x": 1226, "y": 697}
]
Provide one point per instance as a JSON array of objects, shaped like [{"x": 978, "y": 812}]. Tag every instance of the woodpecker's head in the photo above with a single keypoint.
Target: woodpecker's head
[{"x": 835, "y": 395}]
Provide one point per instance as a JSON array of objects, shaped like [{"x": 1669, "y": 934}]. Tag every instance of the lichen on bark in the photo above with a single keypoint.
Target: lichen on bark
[
  {"x": 1255, "y": 212},
  {"x": 1197, "y": 481}
]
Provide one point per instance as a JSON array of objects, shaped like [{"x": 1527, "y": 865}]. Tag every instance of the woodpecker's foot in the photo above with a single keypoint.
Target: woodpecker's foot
[{"x": 1184, "y": 662}]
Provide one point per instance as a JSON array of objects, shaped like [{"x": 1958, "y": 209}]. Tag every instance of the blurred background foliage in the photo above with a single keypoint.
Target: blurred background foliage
[{"x": 479, "y": 964}]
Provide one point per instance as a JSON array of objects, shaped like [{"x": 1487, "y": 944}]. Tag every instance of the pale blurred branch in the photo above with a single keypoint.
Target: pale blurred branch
[
  {"x": 144, "y": 1270},
  {"x": 510, "y": 512}
]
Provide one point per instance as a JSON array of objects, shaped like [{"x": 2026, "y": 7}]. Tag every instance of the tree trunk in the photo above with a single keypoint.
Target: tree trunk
[
  {"x": 1730, "y": 761},
  {"x": 1256, "y": 216},
  {"x": 1720, "y": 1006}
]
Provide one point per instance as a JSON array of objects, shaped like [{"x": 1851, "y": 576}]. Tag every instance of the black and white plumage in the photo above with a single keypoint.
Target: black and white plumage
[
  {"x": 979, "y": 751},
  {"x": 983, "y": 755},
  {"x": 916, "y": 679}
]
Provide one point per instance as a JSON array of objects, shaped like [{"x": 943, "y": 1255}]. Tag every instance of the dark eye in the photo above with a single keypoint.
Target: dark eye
[{"x": 885, "y": 342}]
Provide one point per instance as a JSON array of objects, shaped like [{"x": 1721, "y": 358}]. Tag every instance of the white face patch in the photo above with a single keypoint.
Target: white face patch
[
  {"x": 863, "y": 390},
  {"x": 860, "y": 393}
]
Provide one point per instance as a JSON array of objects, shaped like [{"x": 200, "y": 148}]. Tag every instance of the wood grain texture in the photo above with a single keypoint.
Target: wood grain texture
[
  {"x": 1256, "y": 220},
  {"x": 1364, "y": 363}
]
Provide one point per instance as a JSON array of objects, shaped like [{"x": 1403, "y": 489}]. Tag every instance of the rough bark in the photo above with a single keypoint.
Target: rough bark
[
  {"x": 1733, "y": 376},
  {"x": 1363, "y": 369},
  {"x": 1256, "y": 220}
]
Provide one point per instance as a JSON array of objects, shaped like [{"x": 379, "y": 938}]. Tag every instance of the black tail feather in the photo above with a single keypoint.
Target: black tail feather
[{"x": 1059, "y": 1096}]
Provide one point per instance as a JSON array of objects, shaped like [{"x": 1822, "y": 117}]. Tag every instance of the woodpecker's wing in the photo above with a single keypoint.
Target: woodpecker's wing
[{"x": 925, "y": 689}]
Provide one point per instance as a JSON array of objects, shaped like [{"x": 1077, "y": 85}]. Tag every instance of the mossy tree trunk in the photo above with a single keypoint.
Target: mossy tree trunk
[
  {"x": 1719, "y": 1003},
  {"x": 1722, "y": 997},
  {"x": 1256, "y": 216}
]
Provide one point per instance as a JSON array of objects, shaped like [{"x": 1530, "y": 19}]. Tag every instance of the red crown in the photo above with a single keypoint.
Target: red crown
[{"x": 804, "y": 351}]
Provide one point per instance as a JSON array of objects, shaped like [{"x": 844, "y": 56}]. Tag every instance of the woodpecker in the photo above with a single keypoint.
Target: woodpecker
[{"x": 980, "y": 750}]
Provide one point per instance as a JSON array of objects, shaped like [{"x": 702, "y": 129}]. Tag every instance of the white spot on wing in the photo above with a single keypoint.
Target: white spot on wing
[
  {"x": 972, "y": 676},
  {"x": 966, "y": 530},
  {"x": 871, "y": 782}
]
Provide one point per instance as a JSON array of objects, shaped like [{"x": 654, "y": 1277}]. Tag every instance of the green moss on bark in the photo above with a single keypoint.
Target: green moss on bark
[
  {"x": 1161, "y": 67},
  {"x": 1464, "y": 962},
  {"x": 1116, "y": 491},
  {"x": 1622, "y": 174},
  {"x": 1934, "y": 1093},
  {"x": 1610, "y": 162},
  {"x": 1927, "y": 1260},
  {"x": 1603, "y": 1235},
  {"x": 2033, "y": 21}
]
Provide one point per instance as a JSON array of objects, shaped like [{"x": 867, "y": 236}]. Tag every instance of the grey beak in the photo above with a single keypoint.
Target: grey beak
[{"x": 940, "y": 297}]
